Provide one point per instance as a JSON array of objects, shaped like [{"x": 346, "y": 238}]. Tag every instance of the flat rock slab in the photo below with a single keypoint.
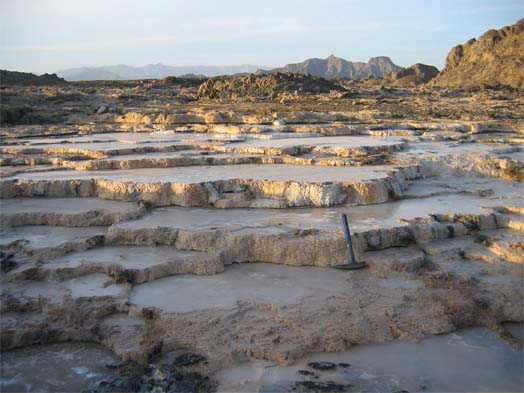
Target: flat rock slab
[
  {"x": 279, "y": 172},
  {"x": 132, "y": 264},
  {"x": 251, "y": 282},
  {"x": 67, "y": 211},
  {"x": 65, "y": 205},
  {"x": 339, "y": 141},
  {"x": 167, "y": 155},
  {"x": 46, "y": 237},
  {"x": 95, "y": 285},
  {"x": 361, "y": 217},
  {"x": 131, "y": 137}
]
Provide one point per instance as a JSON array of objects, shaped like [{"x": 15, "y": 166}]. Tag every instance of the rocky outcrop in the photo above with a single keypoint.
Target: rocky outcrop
[
  {"x": 266, "y": 86},
  {"x": 8, "y": 78},
  {"x": 412, "y": 76},
  {"x": 336, "y": 67},
  {"x": 496, "y": 58}
]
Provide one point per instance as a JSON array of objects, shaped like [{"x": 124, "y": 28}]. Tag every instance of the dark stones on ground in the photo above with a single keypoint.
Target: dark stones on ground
[
  {"x": 189, "y": 359},
  {"x": 135, "y": 377},
  {"x": 320, "y": 387},
  {"x": 322, "y": 366},
  {"x": 306, "y": 373},
  {"x": 6, "y": 262},
  {"x": 484, "y": 240}
]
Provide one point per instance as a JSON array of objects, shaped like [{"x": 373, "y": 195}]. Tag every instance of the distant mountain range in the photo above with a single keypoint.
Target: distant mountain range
[
  {"x": 330, "y": 68},
  {"x": 336, "y": 67},
  {"x": 151, "y": 71}
]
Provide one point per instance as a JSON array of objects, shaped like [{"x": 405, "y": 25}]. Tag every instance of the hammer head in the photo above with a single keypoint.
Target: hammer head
[{"x": 351, "y": 266}]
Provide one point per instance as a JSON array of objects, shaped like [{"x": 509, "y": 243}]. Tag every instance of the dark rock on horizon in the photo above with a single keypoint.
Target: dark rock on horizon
[
  {"x": 9, "y": 78},
  {"x": 415, "y": 75},
  {"x": 266, "y": 86}
]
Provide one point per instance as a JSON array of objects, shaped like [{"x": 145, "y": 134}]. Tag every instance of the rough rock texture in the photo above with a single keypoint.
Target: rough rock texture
[
  {"x": 412, "y": 76},
  {"x": 496, "y": 58},
  {"x": 265, "y": 86},
  {"x": 444, "y": 280},
  {"x": 336, "y": 67}
]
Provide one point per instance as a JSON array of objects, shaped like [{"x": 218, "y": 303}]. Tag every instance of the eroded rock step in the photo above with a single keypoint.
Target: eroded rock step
[
  {"x": 124, "y": 264},
  {"x": 223, "y": 186},
  {"x": 203, "y": 157},
  {"x": 485, "y": 159},
  {"x": 91, "y": 295},
  {"x": 181, "y": 159},
  {"x": 313, "y": 236},
  {"x": 342, "y": 123},
  {"x": 345, "y": 147},
  {"x": 466, "y": 360},
  {"x": 96, "y": 150},
  {"x": 361, "y": 218},
  {"x": 40, "y": 243},
  {"x": 73, "y": 212},
  {"x": 279, "y": 313},
  {"x": 129, "y": 138},
  {"x": 273, "y": 320},
  {"x": 253, "y": 299},
  {"x": 339, "y": 146},
  {"x": 42, "y": 236}
]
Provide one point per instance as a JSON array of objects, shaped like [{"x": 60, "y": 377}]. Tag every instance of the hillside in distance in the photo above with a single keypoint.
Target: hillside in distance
[
  {"x": 495, "y": 58},
  {"x": 335, "y": 67},
  {"x": 150, "y": 71}
]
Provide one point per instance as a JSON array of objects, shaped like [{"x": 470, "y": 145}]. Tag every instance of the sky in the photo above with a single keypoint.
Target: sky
[{"x": 48, "y": 35}]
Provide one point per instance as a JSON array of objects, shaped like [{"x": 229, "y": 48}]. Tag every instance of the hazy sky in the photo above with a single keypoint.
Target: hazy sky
[{"x": 46, "y": 35}]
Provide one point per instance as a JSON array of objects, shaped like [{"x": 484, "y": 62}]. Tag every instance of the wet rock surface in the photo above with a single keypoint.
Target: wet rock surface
[
  {"x": 56, "y": 367},
  {"x": 461, "y": 361}
]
